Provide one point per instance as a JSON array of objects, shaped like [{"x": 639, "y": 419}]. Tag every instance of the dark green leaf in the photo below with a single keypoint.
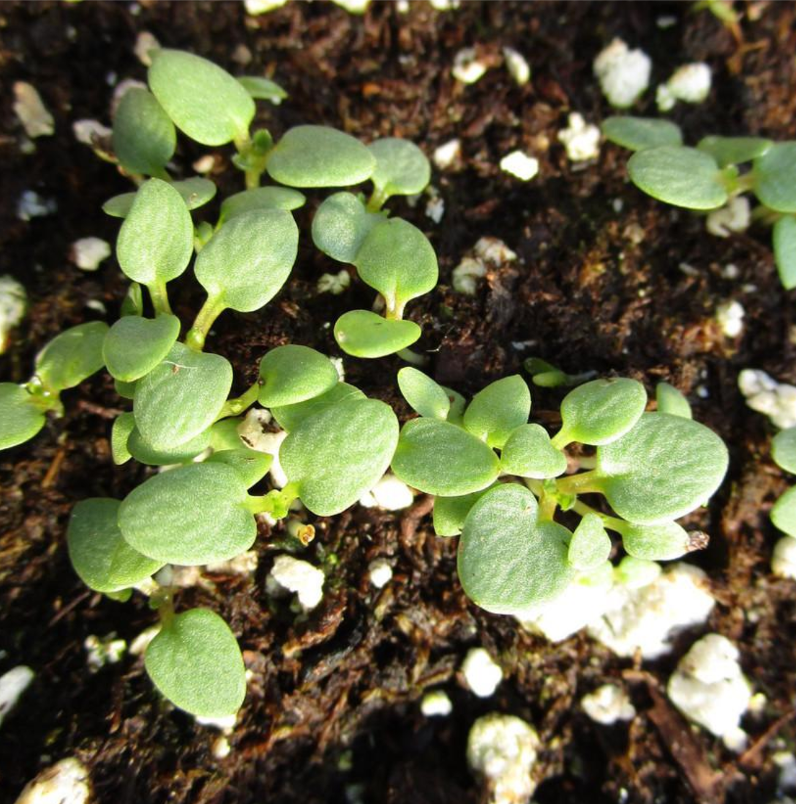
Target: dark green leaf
[{"x": 143, "y": 136}]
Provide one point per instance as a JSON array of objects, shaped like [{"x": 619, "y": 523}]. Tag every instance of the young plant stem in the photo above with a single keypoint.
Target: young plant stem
[
  {"x": 612, "y": 523},
  {"x": 548, "y": 503},
  {"x": 561, "y": 439},
  {"x": 377, "y": 200},
  {"x": 412, "y": 357},
  {"x": 211, "y": 310},
  {"x": 581, "y": 483},
  {"x": 160, "y": 297},
  {"x": 276, "y": 503},
  {"x": 166, "y": 607},
  {"x": 236, "y": 406},
  {"x": 256, "y": 162}
]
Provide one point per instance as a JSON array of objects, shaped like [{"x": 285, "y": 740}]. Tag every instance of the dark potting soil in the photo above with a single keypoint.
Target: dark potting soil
[{"x": 333, "y": 703}]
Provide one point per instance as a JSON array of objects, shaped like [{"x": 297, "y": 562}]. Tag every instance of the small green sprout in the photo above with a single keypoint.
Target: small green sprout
[
  {"x": 784, "y": 511},
  {"x": 708, "y": 176}
]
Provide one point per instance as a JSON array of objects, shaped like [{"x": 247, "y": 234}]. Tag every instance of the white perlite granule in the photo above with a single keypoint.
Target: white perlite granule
[
  {"x": 13, "y": 303},
  {"x": 66, "y": 782},
  {"x": 482, "y": 674},
  {"x": 12, "y": 685},
  {"x": 765, "y": 395},
  {"x": 784, "y": 557},
  {"x": 297, "y": 576},
  {"x": 389, "y": 493},
  {"x": 380, "y": 572},
  {"x": 690, "y": 84},
  {"x": 145, "y": 44},
  {"x": 733, "y": 217},
  {"x": 447, "y": 154},
  {"x": 31, "y": 111},
  {"x": 581, "y": 140},
  {"x": 608, "y": 704},
  {"x": 622, "y": 73},
  {"x": 334, "y": 283},
  {"x": 88, "y": 252},
  {"x": 467, "y": 66},
  {"x": 517, "y": 66},
  {"x": 255, "y": 7},
  {"x": 520, "y": 165},
  {"x": 730, "y": 317},
  {"x": 436, "y": 704}
]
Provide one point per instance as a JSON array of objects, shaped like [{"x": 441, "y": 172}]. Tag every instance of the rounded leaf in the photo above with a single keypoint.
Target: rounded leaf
[
  {"x": 637, "y": 133},
  {"x": 774, "y": 177},
  {"x": 734, "y": 150},
  {"x": 292, "y": 374},
  {"x": 184, "y": 453},
  {"x": 601, "y": 411},
  {"x": 143, "y": 135},
  {"x": 784, "y": 512},
  {"x": 133, "y": 346},
  {"x": 72, "y": 356},
  {"x": 156, "y": 240},
  {"x": 662, "y": 542},
  {"x": 251, "y": 465},
  {"x": 590, "y": 546},
  {"x": 671, "y": 400},
  {"x": 341, "y": 224},
  {"x": 528, "y": 452},
  {"x": 104, "y": 561},
  {"x": 423, "y": 394},
  {"x": 192, "y": 515},
  {"x": 259, "y": 199},
  {"x": 507, "y": 560},
  {"x": 663, "y": 468},
  {"x": 261, "y": 88},
  {"x": 449, "y": 513},
  {"x": 196, "y": 663},
  {"x": 442, "y": 459},
  {"x": 181, "y": 396},
  {"x": 289, "y": 417},
  {"x": 20, "y": 417},
  {"x": 498, "y": 409},
  {"x": 634, "y": 573},
  {"x": 205, "y": 102},
  {"x": 783, "y": 245},
  {"x": 683, "y": 177},
  {"x": 401, "y": 167},
  {"x": 123, "y": 425},
  {"x": 249, "y": 259},
  {"x": 340, "y": 453},
  {"x": 196, "y": 192},
  {"x": 361, "y": 333},
  {"x": 319, "y": 156},
  {"x": 783, "y": 450}
]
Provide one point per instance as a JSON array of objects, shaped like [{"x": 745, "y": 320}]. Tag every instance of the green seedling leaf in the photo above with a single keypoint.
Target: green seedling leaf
[
  {"x": 458, "y": 402},
  {"x": 635, "y": 573},
  {"x": 144, "y": 138},
  {"x": 133, "y": 346},
  {"x": 498, "y": 409},
  {"x": 734, "y": 150},
  {"x": 528, "y": 452},
  {"x": 181, "y": 397},
  {"x": 341, "y": 225},
  {"x": 783, "y": 245},
  {"x": 663, "y": 468},
  {"x": 196, "y": 192},
  {"x": 289, "y": 417},
  {"x": 156, "y": 240},
  {"x": 397, "y": 260},
  {"x": 339, "y": 453},
  {"x": 20, "y": 417},
  {"x": 133, "y": 302},
  {"x": 601, "y": 411},
  {"x": 662, "y": 542},
  {"x": 774, "y": 177},
  {"x": 184, "y": 453},
  {"x": 361, "y": 333},
  {"x": 192, "y": 515},
  {"x": 401, "y": 168},
  {"x": 602, "y": 575},
  {"x": 442, "y": 459},
  {"x": 123, "y": 425},
  {"x": 292, "y": 374},
  {"x": 249, "y": 259},
  {"x": 318, "y": 156},
  {"x": 224, "y": 435},
  {"x": 638, "y": 133},
  {"x": 449, "y": 513},
  {"x": 508, "y": 561},
  {"x": 126, "y": 390},
  {"x": 72, "y": 356},
  {"x": 784, "y": 512},
  {"x": 258, "y": 199},
  {"x": 196, "y": 663},
  {"x": 423, "y": 394},
  {"x": 205, "y": 102},
  {"x": 104, "y": 561},
  {"x": 251, "y": 466},
  {"x": 783, "y": 450},
  {"x": 671, "y": 400},
  {"x": 263, "y": 89},
  {"x": 683, "y": 177},
  {"x": 590, "y": 546}
]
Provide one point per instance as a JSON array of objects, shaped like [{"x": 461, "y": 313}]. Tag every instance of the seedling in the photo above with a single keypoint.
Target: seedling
[
  {"x": 650, "y": 468},
  {"x": 784, "y": 511},
  {"x": 712, "y": 174}
]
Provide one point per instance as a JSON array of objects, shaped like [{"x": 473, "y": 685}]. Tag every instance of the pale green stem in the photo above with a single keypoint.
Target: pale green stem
[
  {"x": 236, "y": 406},
  {"x": 562, "y": 439},
  {"x": 588, "y": 461},
  {"x": 617, "y": 525},
  {"x": 211, "y": 310},
  {"x": 412, "y": 357},
  {"x": 160, "y": 297},
  {"x": 548, "y": 504},
  {"x": 377, "y": 199},
  {"x": 252, "y": 175},
  {"x": 276, "y": 503},
  {"x": 582, "y": 483}
]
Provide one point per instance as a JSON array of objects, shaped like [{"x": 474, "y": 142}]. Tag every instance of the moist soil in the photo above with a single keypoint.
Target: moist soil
[{"x": 607, "y": 280}]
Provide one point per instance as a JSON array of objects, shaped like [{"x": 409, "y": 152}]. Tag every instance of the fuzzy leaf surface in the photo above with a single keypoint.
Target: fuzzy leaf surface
[
  {"x": 662, "y": 542},
  {"x": 341, "y": 224},
  {"x": 196, "y": 192},
  {"x": 144, "y": 138},
  {"x": 401, "y": 167},
  {"x": 252, "y": 466},
  {"x": 293, "y": 373},
  {"x": 123, "y": 425},
  {"x": 670, "y": 400},
  {"x": 423, "y": 394},
  {"x": 260, "y": 198},
  {"x": 184, "y": 453},
  {"x": 20, "y": 419},
  {"x": 590, "y": 546},
  {"x": 734, "y": 150},
  {"x": 449, "y": 513},
  {"x": 638, "y": 133},
  {"x": 361, "y": 333},
  {"x": 774, "y": 177},
  {"x": 528, "y": 452},
  {"x": 289, "y": 417},
  {"x": 134, "y": 345},
  {"x": 261, "y": 88},
  {"x": 498, "y": 409},
  {"x": 783, "y": 450},
  {"x": 72, "y": 356}
]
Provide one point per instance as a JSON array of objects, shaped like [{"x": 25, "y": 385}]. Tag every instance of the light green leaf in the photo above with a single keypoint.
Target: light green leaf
[
  {"x": 783, "y": 450},
  {"x": 449, "y": 513},
  {"x": 192, "y": 515},
  {"x": 133, "y": 302},
  {"x": 590, "y": 546},
  {"x": 289, "y": 417},
  {"x": 205, "y": 102},
  {"x": 784, "y": 512},
  {"x": 339, "y": 453},
  {"x": 498, "y": 409},
  {"x": 663, "y": 468},
  {"x": 318, "y": 156},
  {"x": 181, "y": 397},
  {"x": 184, "y": 453},
  {"x": 601, "y": 411},
  {"x": 123, "y": 425},
  {"x": 293, "y": 373},
  {"x": 442, "y": 459},
  {"x": 133, "y": 346},
  {"x": 508, "y": 561},
  {"x": 401, "y": 167},
  {"x": 774, "y": 177},
  {"x": 423, "y": 394},
  {"x": 263, "y": 89},
  {"x": 528, "y": 452},
  {"x": 638, "y": 133},
  {"x": 224, "y": 435},
  {"x": 734, "y": 150},
  {"x": 361, "y": 333},
  {"x": 143, "y": 136},
  {"x": 458, "y": 402},
  {"x": 126, "y": 390},
  {"x": 783, "y": 244},
  {"x": 397, "y": 260},
  {"x": 341, "y": 224},
  {"x": 104, "y": 561},
  {"x": 662, "y": 542},
  {"x": 683, "y": 177},
  {"x": 196, "y": 663},
  {"x": 634, "y": 573},
  {"x": 258, "y": 199},
  {"x": 196, "y": 192},
  {"x": 156, "y": 240},
  {"x": 249, "y": 259},
  {"x": 72, "y": 356},
  {"x": 20, "y": 417},
  {"x": 671, "y": 400},
  {"x": 252, "y": 466}
]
